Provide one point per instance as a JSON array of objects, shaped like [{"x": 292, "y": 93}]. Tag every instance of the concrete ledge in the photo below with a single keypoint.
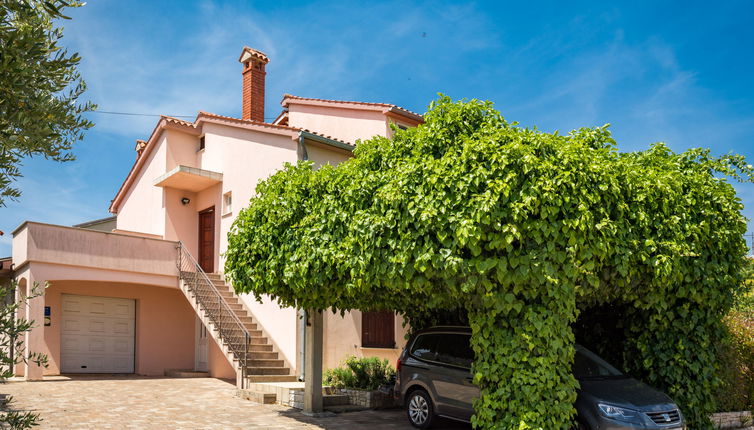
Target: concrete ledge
[{"x": 185, "y": 373}]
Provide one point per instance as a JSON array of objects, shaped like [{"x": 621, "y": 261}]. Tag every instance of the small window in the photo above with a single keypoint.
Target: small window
[
  {"x": 201, "y": 143},
  {"x": 424, "y": 347},
  {"x": 227, "y": 203},
  {"x": 378, "y": 329},
  {"x": 455, "y": 349},
  {"x": 402, "y": 127}
]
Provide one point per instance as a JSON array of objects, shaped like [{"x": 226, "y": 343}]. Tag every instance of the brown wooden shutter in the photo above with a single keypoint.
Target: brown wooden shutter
[{"x": 378, "y": 329}]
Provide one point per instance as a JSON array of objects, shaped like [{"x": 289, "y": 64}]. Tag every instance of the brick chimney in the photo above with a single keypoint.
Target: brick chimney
[{"x": 253, "y": 83}]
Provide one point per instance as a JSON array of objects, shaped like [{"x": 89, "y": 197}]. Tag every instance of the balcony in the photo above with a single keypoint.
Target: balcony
[
  {"x": 189, "y": 179},
  {"x": 57, "y": 252}
]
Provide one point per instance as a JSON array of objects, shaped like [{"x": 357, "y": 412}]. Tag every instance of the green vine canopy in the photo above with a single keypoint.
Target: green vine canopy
[{"x": 524, "y": 229}]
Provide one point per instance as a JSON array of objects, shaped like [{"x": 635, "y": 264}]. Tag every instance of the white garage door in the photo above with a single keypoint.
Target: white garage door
[{"x": 97, "y": 335}]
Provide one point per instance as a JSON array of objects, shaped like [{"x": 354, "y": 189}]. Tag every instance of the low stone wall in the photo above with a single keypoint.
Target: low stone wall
[
  {"x": 295, "y": 399},
  {"x": 368, "y": 399},
  {"x": 732, "y": 420}
]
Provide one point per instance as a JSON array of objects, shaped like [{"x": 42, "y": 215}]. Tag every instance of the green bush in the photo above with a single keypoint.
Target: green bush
[
  {"x": 367, "y": 373},
  {"x": 736, "y": 353},
  {"x": 525, "y": 230}
]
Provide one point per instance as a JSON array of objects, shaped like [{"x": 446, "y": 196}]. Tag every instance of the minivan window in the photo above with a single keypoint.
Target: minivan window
[
  {"x": 454, "y": 349},
  {"x": 424, "y": 346}
]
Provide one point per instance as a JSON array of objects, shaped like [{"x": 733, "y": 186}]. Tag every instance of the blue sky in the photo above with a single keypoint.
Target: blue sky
[{"x": 657, "y": 71}]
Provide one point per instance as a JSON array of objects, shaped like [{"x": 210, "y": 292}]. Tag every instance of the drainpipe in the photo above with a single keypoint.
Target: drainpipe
[
  {"x": 303, "y": 155},
  {"x": 302, "y": 343}
]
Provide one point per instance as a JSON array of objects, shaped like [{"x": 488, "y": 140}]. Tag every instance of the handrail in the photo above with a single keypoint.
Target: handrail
[{"x": 215, "y": 307}]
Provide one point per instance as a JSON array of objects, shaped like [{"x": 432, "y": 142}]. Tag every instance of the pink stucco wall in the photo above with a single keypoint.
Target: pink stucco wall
[
  {"x": 164, "y": 324},
  {"x": 217, "y": 364},
  {"x": 142, "y": 209},
  {"x": 344, "y": 124},
  {"x": 181, "y": 149}
]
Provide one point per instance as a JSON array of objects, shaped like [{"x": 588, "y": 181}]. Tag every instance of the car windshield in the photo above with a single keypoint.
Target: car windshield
[{"x": 587, "y": 365}]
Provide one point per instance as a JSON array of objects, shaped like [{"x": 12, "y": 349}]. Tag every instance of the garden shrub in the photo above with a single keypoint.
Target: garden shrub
[
  {"x": 736, "y": 352},
  {"x": 522, "y": 228},
  {"x": 367, "y": 373}
]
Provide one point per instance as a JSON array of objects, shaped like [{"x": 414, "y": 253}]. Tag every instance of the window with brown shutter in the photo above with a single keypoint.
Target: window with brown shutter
[{"x": 378, "y": 329}]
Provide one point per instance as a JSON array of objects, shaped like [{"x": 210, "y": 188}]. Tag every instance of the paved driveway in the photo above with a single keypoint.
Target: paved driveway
[{"x": 166, "y": 404}]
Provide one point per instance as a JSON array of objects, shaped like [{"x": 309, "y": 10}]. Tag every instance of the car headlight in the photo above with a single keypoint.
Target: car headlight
[{"x": 620, "y": 414}]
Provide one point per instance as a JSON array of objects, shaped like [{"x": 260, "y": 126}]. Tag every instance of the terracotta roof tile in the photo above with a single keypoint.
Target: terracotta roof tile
[
  {"x": 266, "y": 124},
  {"x": 346, "y": 102},
  {"x": 244, "y": 121},
  {"x": 178, "y": 121},
  {"x": 254, "y": 53},
  {"x": 328, "y": 137}
]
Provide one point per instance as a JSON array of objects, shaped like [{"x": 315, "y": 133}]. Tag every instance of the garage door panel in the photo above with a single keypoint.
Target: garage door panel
[
  {"x": 72, "y": 306},
  {"x": 97, "y": 335},
  {"x": 96, "y": 325},
  {"x": 72, "y": 324}
]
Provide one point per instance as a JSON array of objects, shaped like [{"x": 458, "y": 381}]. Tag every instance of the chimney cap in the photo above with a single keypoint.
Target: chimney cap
[
  {"x": 140, "y": 145},
  {"x": 250, "y": 53}
]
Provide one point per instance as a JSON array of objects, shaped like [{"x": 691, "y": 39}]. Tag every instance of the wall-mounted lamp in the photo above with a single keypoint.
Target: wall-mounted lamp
[{"x": 185, "y": 201}]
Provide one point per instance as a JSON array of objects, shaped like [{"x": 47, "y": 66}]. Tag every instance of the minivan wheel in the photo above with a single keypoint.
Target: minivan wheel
[{"x": 419, "y": 408}]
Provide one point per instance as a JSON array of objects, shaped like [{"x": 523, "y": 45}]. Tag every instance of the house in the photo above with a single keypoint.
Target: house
[{"x": 144, "y": 293}]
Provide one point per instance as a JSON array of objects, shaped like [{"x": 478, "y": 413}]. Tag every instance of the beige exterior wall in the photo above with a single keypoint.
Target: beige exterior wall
[
  {"x": 342, "y": 339},
  {"x": 322, "y": 155}
]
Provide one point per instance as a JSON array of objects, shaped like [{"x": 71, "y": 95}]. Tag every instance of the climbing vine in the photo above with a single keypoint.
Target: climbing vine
[{"x": 523, "y": 229}]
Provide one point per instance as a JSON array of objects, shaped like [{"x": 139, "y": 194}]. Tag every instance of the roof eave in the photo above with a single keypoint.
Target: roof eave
[{"x": 330, "y": 142}]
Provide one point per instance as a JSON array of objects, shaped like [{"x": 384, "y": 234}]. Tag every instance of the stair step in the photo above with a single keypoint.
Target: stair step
[
  {"x": 256, "y": 362},
  {"x": 256, "y": 355},
  {"x": 260, "y": 347},
  {"x": 268, "y": 371},
  {"x": 272, "y": 378},
  {"x": 259, "y": 397},
  {"x": 257, "y": 347}
]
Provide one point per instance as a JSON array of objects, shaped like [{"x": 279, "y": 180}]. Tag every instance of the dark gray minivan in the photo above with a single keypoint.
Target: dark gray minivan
[{"x": 434, "y": 379}]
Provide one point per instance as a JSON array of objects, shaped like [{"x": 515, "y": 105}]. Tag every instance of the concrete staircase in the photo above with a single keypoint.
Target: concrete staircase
[{"x": 263, "y": 362}]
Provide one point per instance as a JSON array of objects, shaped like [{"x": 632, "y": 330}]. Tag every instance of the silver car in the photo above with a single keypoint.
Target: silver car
[{"x": 434, "y": 379}]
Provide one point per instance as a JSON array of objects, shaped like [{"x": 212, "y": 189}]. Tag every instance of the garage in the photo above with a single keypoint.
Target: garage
[{"x": 97, "y": 334}]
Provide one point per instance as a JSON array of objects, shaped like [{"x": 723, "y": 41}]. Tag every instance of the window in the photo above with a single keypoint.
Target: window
[
  {"x": 455, "y": 349},
  {"x": 201, "y": 143},
  {"x": 424, "y": 347},
  {"x": 227, "y": 203},
  {"x": 378, "y": 329}
]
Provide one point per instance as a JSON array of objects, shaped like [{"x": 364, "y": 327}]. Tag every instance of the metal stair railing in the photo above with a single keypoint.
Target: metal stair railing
[{"x": 229, "y": 327}]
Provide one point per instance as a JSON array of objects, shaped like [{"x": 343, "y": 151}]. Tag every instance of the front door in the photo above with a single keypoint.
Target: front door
[
  {"x": 200, "y": 363},
  {"x": 207, "y": 239}
]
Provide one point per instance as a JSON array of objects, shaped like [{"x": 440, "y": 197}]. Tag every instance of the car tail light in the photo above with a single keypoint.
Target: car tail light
[{"x": 398, "y": 365}]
